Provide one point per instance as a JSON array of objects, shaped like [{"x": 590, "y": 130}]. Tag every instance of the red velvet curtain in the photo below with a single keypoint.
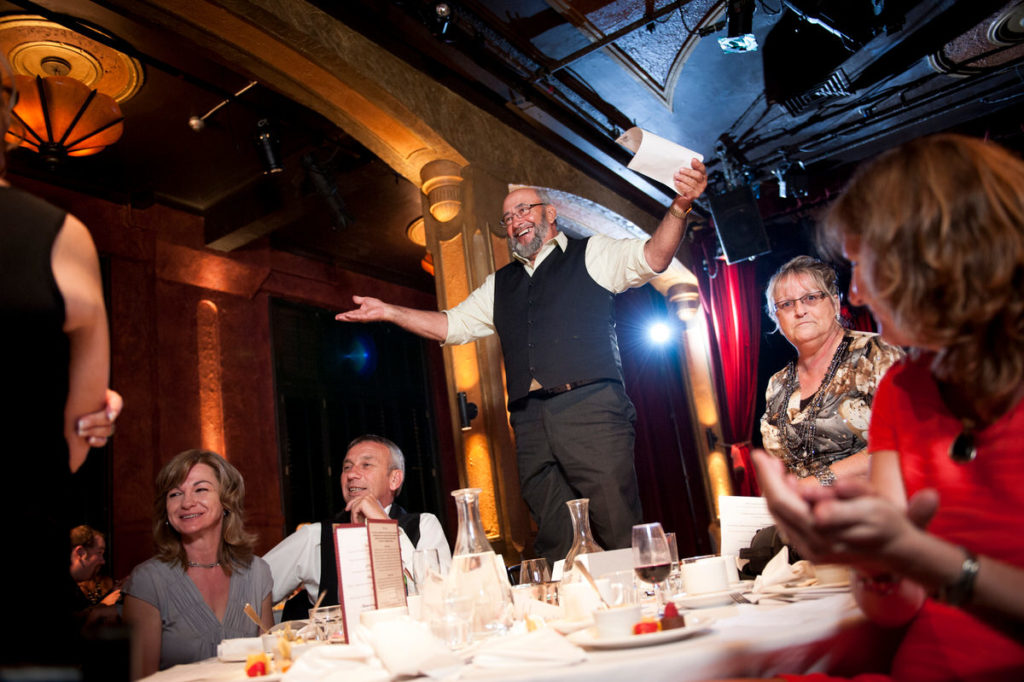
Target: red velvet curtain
[
  {"x": 731, "y": 299},
  {"x": 668, "y": 467}
]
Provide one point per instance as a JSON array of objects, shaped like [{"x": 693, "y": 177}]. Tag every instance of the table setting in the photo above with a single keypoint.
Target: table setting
[{"x": 643, "y": 610}]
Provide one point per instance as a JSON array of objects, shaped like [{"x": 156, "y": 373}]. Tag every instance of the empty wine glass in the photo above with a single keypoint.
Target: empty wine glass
[
  {"x": 534, "y": 572},
  {"x": 537, "y": 573},
  {"x": 652, "y": 561}
]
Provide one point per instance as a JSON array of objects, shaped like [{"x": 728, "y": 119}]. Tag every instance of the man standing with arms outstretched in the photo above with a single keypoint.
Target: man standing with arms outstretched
[{"x": 553, "y": 309}]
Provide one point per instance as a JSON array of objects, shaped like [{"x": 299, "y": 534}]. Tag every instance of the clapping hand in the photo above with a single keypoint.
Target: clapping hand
[{"x": 848, "y": 523}]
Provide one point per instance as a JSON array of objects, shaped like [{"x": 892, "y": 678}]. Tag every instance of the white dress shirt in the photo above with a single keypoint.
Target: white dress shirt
[
  {"x": 615, "y": 264},
  {"x": 296, "y": 559}
]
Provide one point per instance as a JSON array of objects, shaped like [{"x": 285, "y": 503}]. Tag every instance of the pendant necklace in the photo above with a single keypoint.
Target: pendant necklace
[
  {"x": 805, "y": 431},
  {"x": 196, "y": 564},
  {"x": 963, "y": 448}
]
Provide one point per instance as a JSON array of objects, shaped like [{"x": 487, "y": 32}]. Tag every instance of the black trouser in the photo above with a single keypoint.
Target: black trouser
[{"x": 578, "y": 444}]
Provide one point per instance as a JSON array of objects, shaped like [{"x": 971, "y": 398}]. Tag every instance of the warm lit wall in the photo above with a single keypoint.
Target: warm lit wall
[{"x": 166, "y": 290}]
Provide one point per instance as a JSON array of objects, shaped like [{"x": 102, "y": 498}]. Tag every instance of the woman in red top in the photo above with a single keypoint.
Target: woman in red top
[{"x": 934, "y": 231}]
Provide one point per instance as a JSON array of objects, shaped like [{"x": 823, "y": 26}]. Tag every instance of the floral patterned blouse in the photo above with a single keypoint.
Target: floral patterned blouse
[{"x": 841, "y": 423}]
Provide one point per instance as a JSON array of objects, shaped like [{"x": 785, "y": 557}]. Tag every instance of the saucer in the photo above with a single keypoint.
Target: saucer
[{"x": 704, "y": 599}]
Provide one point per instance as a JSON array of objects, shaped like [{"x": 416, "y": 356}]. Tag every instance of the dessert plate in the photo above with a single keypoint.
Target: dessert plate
[{"x": 588, "y": 639}]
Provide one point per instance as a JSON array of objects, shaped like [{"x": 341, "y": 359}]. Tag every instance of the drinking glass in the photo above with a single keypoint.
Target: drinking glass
[
  {"x": 534, "y": 572},
  {"x": 327, "y": 621},
  {"x": 424, "y": 562},
  {"x": 537, "y": 574},
  {"x": 674, "y": 579},
  {"x": 651, "y": 557}
]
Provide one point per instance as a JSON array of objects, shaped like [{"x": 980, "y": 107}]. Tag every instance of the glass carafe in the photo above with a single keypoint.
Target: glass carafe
[
  {"x": 476, "y": 574},
  {"x": 583, "y": 541}
]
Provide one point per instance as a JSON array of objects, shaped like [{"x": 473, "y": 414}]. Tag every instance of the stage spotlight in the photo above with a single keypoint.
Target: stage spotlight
[
  {"x": 740, "y": 38},
  {"x": 659, "y": 333},
  {"x": 268, "y": 146},
  {"x": 442, "y": 20}
]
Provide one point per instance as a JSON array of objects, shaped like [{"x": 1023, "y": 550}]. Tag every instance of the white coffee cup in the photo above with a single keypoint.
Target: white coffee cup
[
  {"x": 617, "y": 621},
  {"x": 732, "y": 573},
  {"x": 706, "y": 574}
]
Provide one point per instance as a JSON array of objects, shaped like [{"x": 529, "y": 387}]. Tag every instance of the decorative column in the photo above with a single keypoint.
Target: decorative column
[
  {"x": 459, "y": 203},
  {"x": 684, "y": 301}
]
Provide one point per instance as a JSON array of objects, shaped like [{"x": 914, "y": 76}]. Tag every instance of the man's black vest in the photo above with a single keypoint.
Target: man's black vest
[
  {"x": 557, "y": 326},
  {"x": 297, "y": 608}
]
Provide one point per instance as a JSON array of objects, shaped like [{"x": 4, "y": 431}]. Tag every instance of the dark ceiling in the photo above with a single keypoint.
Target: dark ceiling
[{"x": 831, "y": 83}]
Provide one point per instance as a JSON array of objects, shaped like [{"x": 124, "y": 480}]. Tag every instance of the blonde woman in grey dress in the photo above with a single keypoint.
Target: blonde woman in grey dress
[
  {"x": 191, "y": 595},
  {"x": 818, "y": 406}
]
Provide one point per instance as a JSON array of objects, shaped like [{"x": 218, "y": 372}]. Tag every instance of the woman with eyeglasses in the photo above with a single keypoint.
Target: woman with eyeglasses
[
  {"x": 818, "y": 406},
  {"x": 934, "y": 230}
]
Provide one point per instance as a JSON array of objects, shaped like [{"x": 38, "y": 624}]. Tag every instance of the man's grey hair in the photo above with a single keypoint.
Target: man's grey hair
[{"x": 397, "y": 458}]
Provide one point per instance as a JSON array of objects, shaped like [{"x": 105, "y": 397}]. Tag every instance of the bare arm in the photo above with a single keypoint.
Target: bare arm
[
  {"x": 661, "y": 247},
  {"x": 856, "y": 524},
  {"x": 854, "y": 466},
  {"x": 144, "y": 619},
  {"x": 430, "y": 324},
  {"x": 77, "y": 272}
]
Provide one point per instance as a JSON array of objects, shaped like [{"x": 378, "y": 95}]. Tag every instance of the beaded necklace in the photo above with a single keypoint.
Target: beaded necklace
[{"x": 805, "y": 431}]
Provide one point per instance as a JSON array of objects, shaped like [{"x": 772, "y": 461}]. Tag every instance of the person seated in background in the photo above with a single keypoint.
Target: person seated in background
[
  {"x": 371, "y": 478},
  {"x": 192, "y": 594},
  {"x": 818, "y": 407},
  {"x": 98, "y": 594},
  {"x": 934, "y": 230}
]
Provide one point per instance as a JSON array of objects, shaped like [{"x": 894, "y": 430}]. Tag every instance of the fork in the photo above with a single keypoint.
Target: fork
[{"x": 739, "y": 598}]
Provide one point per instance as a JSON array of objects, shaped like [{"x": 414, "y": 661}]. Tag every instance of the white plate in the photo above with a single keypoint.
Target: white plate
[
  {"x": 588, "y": 638},
  {"x": 703, "y": 600}
]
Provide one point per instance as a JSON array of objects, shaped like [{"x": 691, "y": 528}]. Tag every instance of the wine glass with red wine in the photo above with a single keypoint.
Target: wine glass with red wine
[{"x": 652, "y": 560}]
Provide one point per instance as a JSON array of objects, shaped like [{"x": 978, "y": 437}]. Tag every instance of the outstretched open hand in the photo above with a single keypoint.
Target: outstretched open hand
[{"x": 370, "y": 310}]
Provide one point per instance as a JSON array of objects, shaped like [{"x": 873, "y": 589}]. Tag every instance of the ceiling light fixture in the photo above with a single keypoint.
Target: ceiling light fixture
[
  {"x": 740, "y": 38},
  {"x": 59, "y": 116}
]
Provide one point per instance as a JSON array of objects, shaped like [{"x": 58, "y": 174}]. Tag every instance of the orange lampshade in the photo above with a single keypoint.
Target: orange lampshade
[{"x": 58, "y": 116}]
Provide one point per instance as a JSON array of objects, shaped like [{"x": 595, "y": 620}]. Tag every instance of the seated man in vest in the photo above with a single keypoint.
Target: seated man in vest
[
  {"x": 371, "y": 478},
  {"x": 553, "y": 309}
]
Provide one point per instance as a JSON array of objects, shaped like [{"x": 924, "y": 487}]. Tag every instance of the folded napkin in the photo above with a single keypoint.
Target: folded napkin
[
  {"x": 541, "y": 647},
  {"x": 407, "y": 647},
  {"x": 779, "y": 571},
  {"x": 238, "y": 648},
  {"x": 337, "y": 663}
]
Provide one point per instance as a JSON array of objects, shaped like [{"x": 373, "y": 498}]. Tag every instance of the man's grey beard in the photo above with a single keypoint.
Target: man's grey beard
[{"x": 532, "y": 247}]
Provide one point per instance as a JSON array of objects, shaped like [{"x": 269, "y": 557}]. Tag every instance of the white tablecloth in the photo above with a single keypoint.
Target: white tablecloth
[{"x": 744, "y": 640}]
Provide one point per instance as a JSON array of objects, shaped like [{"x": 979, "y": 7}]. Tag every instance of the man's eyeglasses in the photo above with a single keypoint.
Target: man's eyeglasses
[
  {"x": 810, "y": 300},
  {"x": 519, "y": 211}
]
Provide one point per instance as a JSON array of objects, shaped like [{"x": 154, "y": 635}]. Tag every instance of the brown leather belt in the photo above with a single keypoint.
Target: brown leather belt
[{"x": 551, "y": 391}]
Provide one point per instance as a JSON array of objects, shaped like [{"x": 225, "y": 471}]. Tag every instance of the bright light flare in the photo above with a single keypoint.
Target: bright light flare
[{"x": 659, "y": 333}]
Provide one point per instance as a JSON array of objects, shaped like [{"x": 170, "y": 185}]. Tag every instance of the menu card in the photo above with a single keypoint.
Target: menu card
[
  {"x": 367, "y": 557},
  {"x": 741, "y": 517},
  {"x": 386, "y": 563}
]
